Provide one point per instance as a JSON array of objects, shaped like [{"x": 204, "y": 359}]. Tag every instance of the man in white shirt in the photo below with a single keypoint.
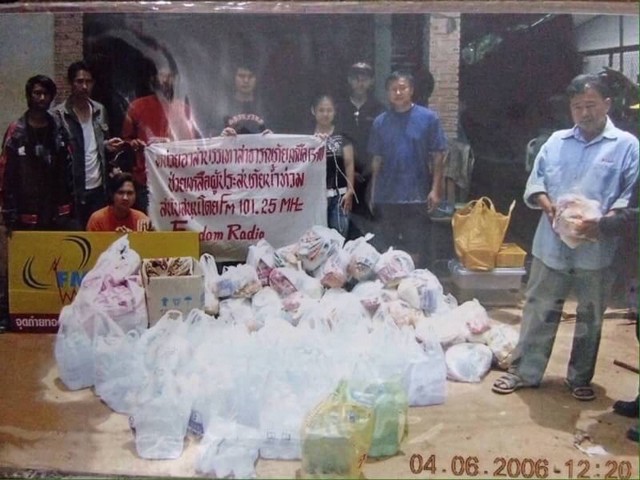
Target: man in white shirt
[{"x": 85, "y": 122}]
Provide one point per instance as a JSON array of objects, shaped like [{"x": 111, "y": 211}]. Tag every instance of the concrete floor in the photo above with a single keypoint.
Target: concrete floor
[{"x": 49, "y": 430}]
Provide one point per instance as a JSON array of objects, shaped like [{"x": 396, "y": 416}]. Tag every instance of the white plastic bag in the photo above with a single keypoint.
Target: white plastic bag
[
  {"x": 261, "y": 256},
  {"x": 570, "y": 210},
  {"x": 502, "y": 340},
  {"x": 426, "y": 375},
  {"x": 393, "y": 266},
  {"x": 118, "y": 262},
  {"x": 211, "y": 278},
  {"x": 362, "y": 258},
  {"x": 468, "y": 362},
  {"x": 316, "y": 245},
  {"x": 422, "y": 290},
  {"x": 124, "y": 302},
  {"x": 74, "y": 346}
]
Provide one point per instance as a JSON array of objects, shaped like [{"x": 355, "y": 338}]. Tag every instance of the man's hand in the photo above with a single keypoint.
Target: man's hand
[
  {"x": 433, "y": 200},
  {"x": 144, "y": 226},
  {"x": 136, "y": 144},
  {"x": 346, "y": 202},
  {"x": 123, "y": 229},
  {"x": 228, "y": 132},
  {"x": 588, "y": 228},
  {"x": 114, "y": 144},
  {"x": 267, "y": 132},
  {"x": 543, "y": 201}
]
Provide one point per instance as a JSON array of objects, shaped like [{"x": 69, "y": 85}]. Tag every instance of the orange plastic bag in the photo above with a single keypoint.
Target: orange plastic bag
[{"x": 478, "y": 233}]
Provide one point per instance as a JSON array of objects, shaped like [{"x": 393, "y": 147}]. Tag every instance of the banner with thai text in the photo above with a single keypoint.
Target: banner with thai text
[{"x": 235, "y": 191}]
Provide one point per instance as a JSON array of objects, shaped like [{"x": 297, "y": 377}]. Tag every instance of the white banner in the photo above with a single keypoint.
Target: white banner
[{"x": 234, "y": 191}]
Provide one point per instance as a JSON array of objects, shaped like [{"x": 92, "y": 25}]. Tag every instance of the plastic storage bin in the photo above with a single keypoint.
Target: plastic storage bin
[{"x": 496, "y": 279}]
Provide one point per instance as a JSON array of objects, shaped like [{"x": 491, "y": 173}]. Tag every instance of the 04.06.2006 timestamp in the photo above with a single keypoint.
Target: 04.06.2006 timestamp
[{"x": 511, "y": 467}]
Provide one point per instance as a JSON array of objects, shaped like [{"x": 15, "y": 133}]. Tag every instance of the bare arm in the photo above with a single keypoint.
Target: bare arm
[
  {"x": 376, "y": 163},
  {"x": 347, "y": 199},
  {"x": 437, "y": 184}
]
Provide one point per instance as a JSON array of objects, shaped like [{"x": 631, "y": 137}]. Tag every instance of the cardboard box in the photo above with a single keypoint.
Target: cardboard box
[
  {"x": 510, "y": 255},
  {"x": 183, "y": 293}
]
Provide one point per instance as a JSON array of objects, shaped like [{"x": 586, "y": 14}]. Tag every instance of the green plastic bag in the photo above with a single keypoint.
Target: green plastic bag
[
  {"x": 390, "y": 406},
  {"x": 336, "y": 437}
]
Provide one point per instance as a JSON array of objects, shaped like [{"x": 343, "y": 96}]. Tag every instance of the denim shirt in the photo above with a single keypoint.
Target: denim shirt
[{"x": 603, "y": 169}]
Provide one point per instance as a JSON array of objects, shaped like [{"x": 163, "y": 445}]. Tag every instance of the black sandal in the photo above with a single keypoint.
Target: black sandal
[
  {"x": 584, "y": 393},
  {"x": 507, "y": 383}
]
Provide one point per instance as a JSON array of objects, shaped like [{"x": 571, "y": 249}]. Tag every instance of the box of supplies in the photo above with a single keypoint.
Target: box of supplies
[
  {"x": 510, "y": 255},
  {"x": 172, "y": 283},
  {"x": 496, "y": 279}
]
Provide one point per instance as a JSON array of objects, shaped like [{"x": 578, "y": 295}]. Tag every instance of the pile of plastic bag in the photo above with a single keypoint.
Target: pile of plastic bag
[{"x": 290, "y": 346}]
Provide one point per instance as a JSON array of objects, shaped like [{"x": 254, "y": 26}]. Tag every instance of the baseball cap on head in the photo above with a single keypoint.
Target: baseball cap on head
[{"x": 361, "y": 68}]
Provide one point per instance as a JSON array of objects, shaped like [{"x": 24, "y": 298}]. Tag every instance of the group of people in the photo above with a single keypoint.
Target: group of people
[
  {"x": 55, "y": 167},
  {"x": 59, "y": 171},
  {"x": 378, "y": 161}
]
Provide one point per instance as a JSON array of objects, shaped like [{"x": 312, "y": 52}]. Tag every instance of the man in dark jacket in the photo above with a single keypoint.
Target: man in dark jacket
[
  {"x": 85, "y": 121},
  {"x": 35, "y": 193}
]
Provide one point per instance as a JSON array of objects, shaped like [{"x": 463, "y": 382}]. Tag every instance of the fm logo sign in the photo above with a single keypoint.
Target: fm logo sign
[{"x": 67, "y": 280}]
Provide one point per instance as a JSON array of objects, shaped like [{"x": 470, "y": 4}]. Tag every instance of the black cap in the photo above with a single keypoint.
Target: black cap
[{"x": 361, "y": 68}]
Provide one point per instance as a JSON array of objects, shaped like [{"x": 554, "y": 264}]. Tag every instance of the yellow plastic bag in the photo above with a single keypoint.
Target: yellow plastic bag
[
  {"x": 336, "y": 437},
  {"x": 478, "y": 233}
]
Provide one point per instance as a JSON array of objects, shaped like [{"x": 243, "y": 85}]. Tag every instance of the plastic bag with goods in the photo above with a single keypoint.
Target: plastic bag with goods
[
  {"x": 370, "y": 294},
  {"x": 240, "y": 281},
  {"x": 336, "y": 437},
  {"x": 390, "y": 406},
  {"x": 316, "y": 245},
  {"x": 281, "y": 419},
  {"x": 286, "y": 256},
  {"x": 422, "y": 290},
  {"x": 570, "y": 210},
  {"x": 362, "y": 258},
  {"x": 238, "y": 311},
  {"x": 449, "y": 326},
  {"x": 333, "y": 273},
  {"x": 261, "y": 256},
  {"x": 267, "y": 306},
  {"x": 468, "y": 362},
  {"x": 286, "y": 281},
  {"x": 123, "y": 301},
  {"x": 400, "y": 312},
  {"x": 118, "y": 262},
  {"x": 211, "y": 278},
  {"x": 393, "y": 266},
  {"x": 340, "y": 308},
  {"x": 502, "y": 340},
  {"x": 74, "y": 345}
]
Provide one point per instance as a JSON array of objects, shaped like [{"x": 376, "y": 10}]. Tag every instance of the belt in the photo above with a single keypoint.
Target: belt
[{"x": 332, "y": 192}]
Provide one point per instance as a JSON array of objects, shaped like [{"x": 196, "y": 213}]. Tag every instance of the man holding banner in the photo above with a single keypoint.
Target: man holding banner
[{"x": 159, "y": 117}]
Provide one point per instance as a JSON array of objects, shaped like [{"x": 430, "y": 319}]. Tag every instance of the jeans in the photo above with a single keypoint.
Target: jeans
[
  {"x": 546, "y": 293},
  {"x": 337, "y": 218}
]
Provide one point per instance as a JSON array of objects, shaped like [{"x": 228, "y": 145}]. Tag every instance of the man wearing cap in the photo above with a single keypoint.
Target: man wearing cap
[{"x": 355, "y": 116}]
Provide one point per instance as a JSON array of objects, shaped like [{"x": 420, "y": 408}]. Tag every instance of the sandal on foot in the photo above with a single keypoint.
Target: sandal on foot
[
  {"x": 584, "y": 393},
  {"x": 507, "y": 383}
]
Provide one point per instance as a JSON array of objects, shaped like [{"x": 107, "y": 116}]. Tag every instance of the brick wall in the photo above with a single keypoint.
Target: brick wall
[
  {"x": 67, "y": 48},
  {"x": 444, "y": 64}
]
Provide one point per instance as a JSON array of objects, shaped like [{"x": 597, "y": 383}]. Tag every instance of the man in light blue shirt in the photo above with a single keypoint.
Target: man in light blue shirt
[{"x": 599, "y": 161}]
